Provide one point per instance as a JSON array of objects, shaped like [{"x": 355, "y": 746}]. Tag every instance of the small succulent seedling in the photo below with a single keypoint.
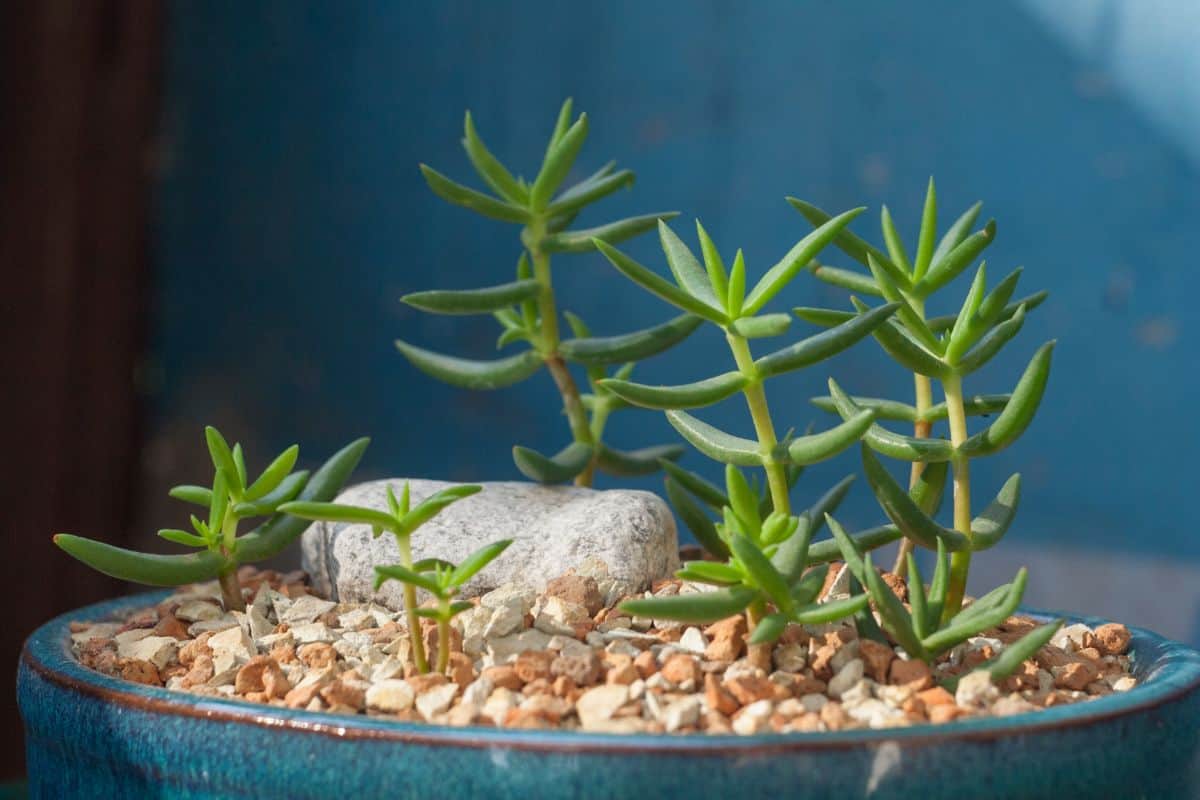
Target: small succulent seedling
[
  {"x": 440, "y": 578},
  {"x": 231, "y": 500},
  {"x": 765, "y": 574},
  {"x": 946, "y": 349},
  {"x": 925, "y": 632},
  {"x": 720, "y": 297},
  {"x": 527, "y": 308}
]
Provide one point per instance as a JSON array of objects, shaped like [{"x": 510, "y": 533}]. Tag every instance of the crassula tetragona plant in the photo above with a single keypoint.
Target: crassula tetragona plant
[{"x": 527, "y": 308}]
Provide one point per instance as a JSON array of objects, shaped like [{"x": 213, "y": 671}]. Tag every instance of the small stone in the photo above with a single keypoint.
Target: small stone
[
  {"x": 597, "y": 705},
  {"x": 306, "y": 609},
  {"x": 939, "y": 715},
  {"x": 1124, "y": 683},
  {"x": 198, "y": 610},
  {"x": 430, "y": 680},
  {"x": 834, "y": 716},
  {"x": 311, "y": 632},
  {"x": 646, "y": 664},
  {"x": 1073, "y": 637},
  {"x": 682, "y": 713},
  {"x": 875, "y": 713},
  {"x": 625, "y": 674},
  {"x": 504, "y": 676},
  {"x": 477, "y": 692},
  {"x": 568, "y": 646},
  {"x": 975, "y": 689},
  {"x": 937, "y": 696},
  {"x": 693, "y": 641},
  {"x": 233, "y": 642},
  {"x": 533, "y": 664},
  {"x": 138, "y": 671},
  {"x": 848, "y": 676},
  {"x": 554, "y": 615},
  {"x": 262, "y": 674},
  {"x": 727, "y": 639},
  {"x": 506, "y": 648},
  {"x": 317, "y": 655},
  {"x": 502, "y": 621},
  {"x": 790, "y": 657},
  {"x": 680, "y": 668},
  {"x": 1010, "y": 704},
  {"x": 813, "y": 702},
  {"x": 584, "y": 670},
  {"x": 436, "y": 700},
  {"x": 750, "y": 689},
  {"x": 1075, "y": 676},
  {"x": 391, "y": 696},
  {"x": 158, "y": 650},
  {"x": 345, "y": 695},
  {"x": 877, "y": 659},
  {"x": 579, "y": 589},
  {"x": 1112, "y": 638},
  {"x": 717, "y": 697},
  {"x": 499, "y": 703},
  {"x": 169, "y": 625},
  {"x": 754, "y": 718},
  {"x": 222, "y": 623},
  {"x": 461, "y": 669},
  {"x": 912, "y": 673}
]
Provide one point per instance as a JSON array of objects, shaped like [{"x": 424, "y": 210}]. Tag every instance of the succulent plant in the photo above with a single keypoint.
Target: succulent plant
[
  {"x": 440, "y": 578},
  {"x": 946, "y": 349},
  {"x": 527, "y": 308},
  {"x": 231, "y": 499}
]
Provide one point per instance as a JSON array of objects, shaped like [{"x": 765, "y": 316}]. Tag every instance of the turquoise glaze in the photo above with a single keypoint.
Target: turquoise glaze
[{"x": 88, "y": 735}]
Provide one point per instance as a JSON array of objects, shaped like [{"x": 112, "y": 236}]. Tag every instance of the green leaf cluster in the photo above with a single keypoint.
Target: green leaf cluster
[
  {"x": 527, "y": 309},
  {"x": 230, "y": 499},
  {"x": 440, "y": 578}
]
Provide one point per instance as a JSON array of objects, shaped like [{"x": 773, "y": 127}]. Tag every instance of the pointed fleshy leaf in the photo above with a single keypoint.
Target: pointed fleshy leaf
[
  {"x": 469, "y": 373},
  {"x": 939, "y": 586},
  {"x": 791, "y": 557},
  {"x": 991, "y": 344},
  {"x": 846, "y": 241},
  {"x": 655, "y": 284},
  {"x": 830, "y": 611},
  {"x": 964, "y": 625},
  {"x": 274, "y": 474},
  {"x": 948, "y": 268},
  {"x": 905, "y": 350},
  {"x": 895, "y": 617},
  {"x": 635, "y": 346},
  {"x": 710, "y": 572},
  {"x": 847, "y": 279},
  {"x": 630, "y": 463},
  {"x": 708, "y": 493},
  {"x": 688, "y": 395},
  {"x": 1016, "y": 653},
  {"x": 478, "y": 202},
  {"x": 994, "y": 303},
  {"x": 742, "y": 499},
  {"x": 823, "y": 345},
  {"x": 808, "y": 588},
  {"x": 737, "y": 285},
  {"x": 796, "y": 259},
  {"x": 692, "y": 607},
  {"x": 220, "y": 504},
  {"x": 182, "y": 537},
  {"x": 288, "y": 489},
  {"x": 339, "y": 512},
  {"x": 883, "y": 408},
  {"x": 967, "y": 327},
  {"x": 589, "y": 191},
  {"x": 239, "y": 463},
  {"x": 695, "y": 519},
  {"x": 990, "y": 526},
  {"x": 829, "y": 502},
  {"x": 896, "y": 251},
  {"x": 930, "y": 487},
  {"x": 914, "y": 322},
  {"x": 827, "y": 444},
  {"x": 222, "y": 456},
  {"x": 562, "y": 466},
  {"x": 761, "y": 327},
  {"x": 557, "y": 163},
  {"x": 827, "y": 550},
  {"x": 433, "y": 505},
  {"x": 925, "y": 244},
  {"x": 493, "y": 173},
  {"x": 144, "y": 568},
  {"x": 768, "y": 629},
  {"x": 473, "y": 301},
  {"x": 714, "y": 443},
  {"x": 400, "y": 573},
  {"x": 1019, "y": 411},
  {"x": 580, "y": 241},
  {"x": 196, "y": 495},
  {"x": 824, "y": 317},
  {"x": 904, "y": 512},
  {"x": 956, "y": 233},
  {"x": 713, "y": 264},
  {"x": 761, "y": 571},
  {"x": 894, "y": 445},
  {"x": 916, "y": 598},
  {"x": 974, "y": 406},
  {"x": 690, "y": 276},
  {"x": 473, "y": 563},
  {"x": 945, "y": 323}
]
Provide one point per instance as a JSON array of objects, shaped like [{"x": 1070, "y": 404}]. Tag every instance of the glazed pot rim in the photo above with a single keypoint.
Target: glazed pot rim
[{"x": 1166, "y": 670}]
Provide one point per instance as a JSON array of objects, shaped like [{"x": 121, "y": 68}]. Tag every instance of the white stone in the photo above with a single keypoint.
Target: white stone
[
  {"x": 101, "y": 630},
  {"x": 356, "y": 619},
  {"x": 1124, "y": 683},
  {"x": 844, "y": 655},
  {"x": 813, "y": 702},
  {"x": 436, "y": 700},
  {"x": 754, "y": 718},
  {"x": 875, "y": 713},
  {"x": 306, "y": 609},
  {"x": 553, "y": 528},
  {"x": 554, "y": 615},
  {"x": 311, "y": 632},
  {"x": 126, "y": 638},
  {"x": 839, "y": 588},
  {"x": 477, "y": 692},
  {"x": 506, "y": 648},
  {"x": 390, "y": 695},
  {"x": 499, "y": 703},
  {"x": 850, "y": 674},
  {"x": 1070, "y": 637},
  {"x": 597, "y": 705},
  {"x": 694, "y": 641},
  {"x": 513, "y": 596},
  {"x": 258, "y": 623},
  {"x": 682, "y": 713},
  {"x": 198, "y": 610},
  {"x": 158, "y": 650},
  {"x": 216, "y": 624},
  {"x": 975, "y": 689},
  {"x": 568, "y": 646},
  {"x": 790, "y": 657},
  {"x": 235, "y": 642}
]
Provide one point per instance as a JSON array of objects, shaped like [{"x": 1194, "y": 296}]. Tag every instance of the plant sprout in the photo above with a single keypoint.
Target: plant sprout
[
  {"x": 767, "y": 556},
  {"x": 947, "y": 349},
  {"x": 439, "y": 578},
  {"x": 231, "y": 500},
  {"x": 527, "y": 308},
  {"x": 926, "y": 632}
]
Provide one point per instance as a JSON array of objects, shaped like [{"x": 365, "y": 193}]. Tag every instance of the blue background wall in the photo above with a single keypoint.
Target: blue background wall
[{"x": 292, "y": 217}]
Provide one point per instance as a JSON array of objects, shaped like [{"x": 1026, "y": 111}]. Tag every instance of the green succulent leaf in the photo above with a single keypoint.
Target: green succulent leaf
[
  {"x": 845, "y": 241},
  {"x": 144, "y": 568},
  {"x": 737, "y": 285},
  {"x": 1019, "y": 411},
  {"x": 966, "y": 623},
  {"x": 693, "y": 607},
  {"x": 796, "y": 259},
  {"x": 904, "y": 512},
  {"x": 896, "y": 250},
  {"x": 688, "y": 395},
  {"x": 397, "y": 572},
  {"x": 948, "y": 268},
  {"x": 478, "y": 202},
  {"x": 990, "y": 526},
  {"x": 896, "y": 619},
  {"x": 714, "y": 443},
  {"x": 846, "y": 279},
  {"x": 489, "y": 168},
  {"x": 791, "y": 556},
  {"x": 945, "y": 323},
  {"x": 182, "y": 537},
  {"x": 432, "y": 565},
  {"x": 690, "y": 276},
  {"x": 809, "y": 586},
  {"x": 580, "y": 241},
  {"x": 761, "y": 571},
  {"x": 196, "y": 495},
  {"x": 824, "y": 317},
  {"x": 558, "y": 468},
  {"x": 468, "y": 373},
  {"x": 939, "y": 586},
  {"x": 655, "y": 284},
  {"x": 339, "y": 512},
  {"x": 768, "y": 629},
  {"x": 710, "y": 572},
  {"x": 991, "y": 344},
  {"x": 895, "y": 445},
  {"x": 589, "y": 191},
  {"x": 601, "y": 350},
  {"x": 557, "y": 163},
  {"x": 823, "y": 345},
  {"x": 956, "y": 233},
  {"x": 474, "y": 301},
  {"x": 913, "y": 322},
  {"x": 713, "y": 264},
  {"x": 1015, "y": 654},
  {"x": 288, "y": 489},
  {"x": 967, "y": 328},
  {"x": 222, "y": 456},
  {"x": 629, "y": 463},
  {"x": 473, "y": 563},
  {"x": 883, "y": 408},
  {"x": 761, "y": 327},
  {"x": 925, "y": 244},
  {"x": 922, "y": 622},
  {"x": 973, "y": 406},
  {"x": 698, "y": 522},
  {"x": 829, "y": 502},
  {"x": 274, "y": 474},
  {"x": 220, "y": 504},
  {"x": 827, "y": 444},
  {"x": 708, "y": 493},
  {"x": 831, "y": 611},
  {"x": 828, "y": 550}
]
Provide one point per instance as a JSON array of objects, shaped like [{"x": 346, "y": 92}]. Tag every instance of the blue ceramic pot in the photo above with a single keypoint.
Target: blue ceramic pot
[{"x": 88, "y": 735}]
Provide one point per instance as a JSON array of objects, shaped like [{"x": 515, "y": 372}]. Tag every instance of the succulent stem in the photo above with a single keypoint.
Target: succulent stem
[
  {"x": 577, "y": 416},
  {"x": 756, "y": 400},
  {"x": 923, "y": 391},
  {"x": 758, "y": 655},
  {"x": 410, "y": 608},
  {"x": 231, "y": 590},
  {"x": 960, "y": 562},
  {"x": 443, "y": 625}
]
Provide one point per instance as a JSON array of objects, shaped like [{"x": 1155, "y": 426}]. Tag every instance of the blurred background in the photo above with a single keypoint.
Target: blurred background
[{"x": 208, "y": 212}]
